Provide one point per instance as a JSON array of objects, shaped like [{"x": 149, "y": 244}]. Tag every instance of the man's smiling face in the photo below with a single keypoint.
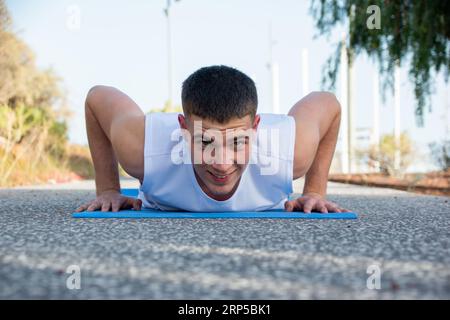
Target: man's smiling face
[{"x": 220, "y": 152}]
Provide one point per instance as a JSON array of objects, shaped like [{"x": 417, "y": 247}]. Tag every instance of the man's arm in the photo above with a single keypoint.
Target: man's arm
[
  {"x": 115, "y": 128},
  {"x": 317, "y": 118}
]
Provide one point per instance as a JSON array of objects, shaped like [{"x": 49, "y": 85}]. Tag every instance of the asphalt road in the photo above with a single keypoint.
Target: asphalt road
[{"x": 401, "y": 236}]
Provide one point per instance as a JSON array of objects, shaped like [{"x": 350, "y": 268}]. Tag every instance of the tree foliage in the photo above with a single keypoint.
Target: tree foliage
[
  {"x": 414, "y": 31},
  {"x": 21, "y": 82},
  {"x": 33, "y": 113}
]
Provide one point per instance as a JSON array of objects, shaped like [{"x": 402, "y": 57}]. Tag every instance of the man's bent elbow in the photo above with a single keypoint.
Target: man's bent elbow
[
  {"x": 95, "y": 91},
  {"x": 96, "y": 96},
  {"x": 333, "y": 102},
  {"x": 329, "y": 99}
]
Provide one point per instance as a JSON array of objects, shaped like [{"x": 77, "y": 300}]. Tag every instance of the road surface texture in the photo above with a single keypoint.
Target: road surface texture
[{"x": 402, "y": 237}]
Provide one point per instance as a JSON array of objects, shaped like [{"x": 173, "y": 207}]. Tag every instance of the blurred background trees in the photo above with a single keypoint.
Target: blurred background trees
[
  {"x": 383, "y": 156},
  {"x": 34, "y": 145},
  {"x": 33, "y": 114},
  {"x": 440, "y": 152},
  {"x": 413, "y": 31}
]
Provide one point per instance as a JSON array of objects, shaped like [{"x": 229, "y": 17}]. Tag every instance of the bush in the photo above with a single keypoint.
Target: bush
[
  {"x": 78, "y": 160},
  {"x": 383, "y": 156}
]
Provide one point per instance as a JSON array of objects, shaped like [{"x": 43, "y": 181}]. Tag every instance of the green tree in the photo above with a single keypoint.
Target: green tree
[
  {"x": 417, "y": 31},
  {"x": 21, "y": 82}
]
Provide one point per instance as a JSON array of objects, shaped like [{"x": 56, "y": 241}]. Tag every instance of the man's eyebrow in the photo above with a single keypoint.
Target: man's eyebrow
[
  {"x": 246, "y": 136},
  {"x": 203, "y": 136}
]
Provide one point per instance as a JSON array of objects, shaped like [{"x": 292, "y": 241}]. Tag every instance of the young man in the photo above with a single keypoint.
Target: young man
[{"x": 220, "y": 155}]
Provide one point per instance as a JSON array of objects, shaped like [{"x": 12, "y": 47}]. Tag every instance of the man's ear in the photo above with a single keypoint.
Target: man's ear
[
  {"x": 182, "y": 121},
  {"x": 256, "y": 122}
]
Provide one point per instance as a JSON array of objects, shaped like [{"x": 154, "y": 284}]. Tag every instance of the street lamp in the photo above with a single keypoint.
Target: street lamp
[
  {"x": 169, "y": 52},
  {"x": 274, "y": 74}
]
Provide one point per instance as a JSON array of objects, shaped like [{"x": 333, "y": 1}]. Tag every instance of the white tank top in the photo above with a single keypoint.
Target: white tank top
[{"x": 265, "y": 184}]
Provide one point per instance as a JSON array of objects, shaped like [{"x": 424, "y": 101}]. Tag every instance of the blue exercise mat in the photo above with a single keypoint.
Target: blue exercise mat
[
  {"x": 156, "y": 214},
  {"x": 130, "y": 192},
  {"x": 145, "y": 213}
]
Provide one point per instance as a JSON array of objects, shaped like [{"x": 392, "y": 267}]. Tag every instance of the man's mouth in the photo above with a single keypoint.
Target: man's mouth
[{"x": 221, "y": 178}]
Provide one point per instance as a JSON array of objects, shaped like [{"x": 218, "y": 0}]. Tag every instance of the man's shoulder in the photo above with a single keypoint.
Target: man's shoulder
[
  {"x": 274, "y": 119},
  {"x": 162, "y": 133},
  {"x": 275, "y": 136}
]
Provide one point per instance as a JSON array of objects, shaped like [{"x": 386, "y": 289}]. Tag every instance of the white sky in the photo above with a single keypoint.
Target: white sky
[{"x": 123, "y": 44}]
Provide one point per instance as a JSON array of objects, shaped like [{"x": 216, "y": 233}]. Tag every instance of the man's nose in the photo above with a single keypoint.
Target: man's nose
[
  {"x": 223, "y": 160},
  {"x": 222, "y": 168}
]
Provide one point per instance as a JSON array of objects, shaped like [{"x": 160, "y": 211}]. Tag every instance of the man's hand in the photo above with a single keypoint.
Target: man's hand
[
  {"x": 111, "y": 200},
  {"x": 312, "y": 201}
]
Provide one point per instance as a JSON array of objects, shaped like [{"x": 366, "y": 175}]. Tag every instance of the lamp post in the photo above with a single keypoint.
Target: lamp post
[
  {"x": 169, "y": 52},
  {"x": 274, "y": 74},
  {"x": 344, "y": 133},
  {"x": 305, "y": 72},
  {"x": 375, "y": 135},
  {"x": 397, "y": 130}
]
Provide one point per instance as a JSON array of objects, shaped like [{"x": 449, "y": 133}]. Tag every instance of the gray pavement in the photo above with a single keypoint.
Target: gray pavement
[{"x": 406, "y": 235}]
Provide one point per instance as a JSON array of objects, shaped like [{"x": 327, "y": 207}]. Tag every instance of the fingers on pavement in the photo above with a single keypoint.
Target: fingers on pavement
[
  {"x": 137, "y": 204},
  {"x": 82, "y": 208},
  {"x": 308, "y": 205},
  {"x": 94, "y": 206},
  {"x": 106, "y": 205},
  {"x": 115, "y": 205},
  {"x": 292, "y": 205}
]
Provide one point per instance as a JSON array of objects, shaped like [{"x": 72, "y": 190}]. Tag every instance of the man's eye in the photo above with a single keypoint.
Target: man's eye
[
  {"x": 239, "y": 142},
  {"x": 206, "y": 142}
]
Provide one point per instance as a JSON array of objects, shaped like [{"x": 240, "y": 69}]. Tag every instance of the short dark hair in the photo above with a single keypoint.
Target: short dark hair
[{"x": 219, "y": 93}]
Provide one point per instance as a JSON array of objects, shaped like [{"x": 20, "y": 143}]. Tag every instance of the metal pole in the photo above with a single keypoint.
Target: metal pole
[
  {"x": 275, "y": 88},
  {"x": 273, "y": 70},
  {"x": 169, "y": 54},
  {"x": 351, "y": 115},
  {"x": 344, "y": 103},
  {"x": 447, "y": 113},
  {"x": 270, "y": 45},
  {"x": 350, "y": 97},
  {"x": 375, "y": 139},
  {"x": 397, "y": 129},
  {"x": 305, "y": 72}
]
